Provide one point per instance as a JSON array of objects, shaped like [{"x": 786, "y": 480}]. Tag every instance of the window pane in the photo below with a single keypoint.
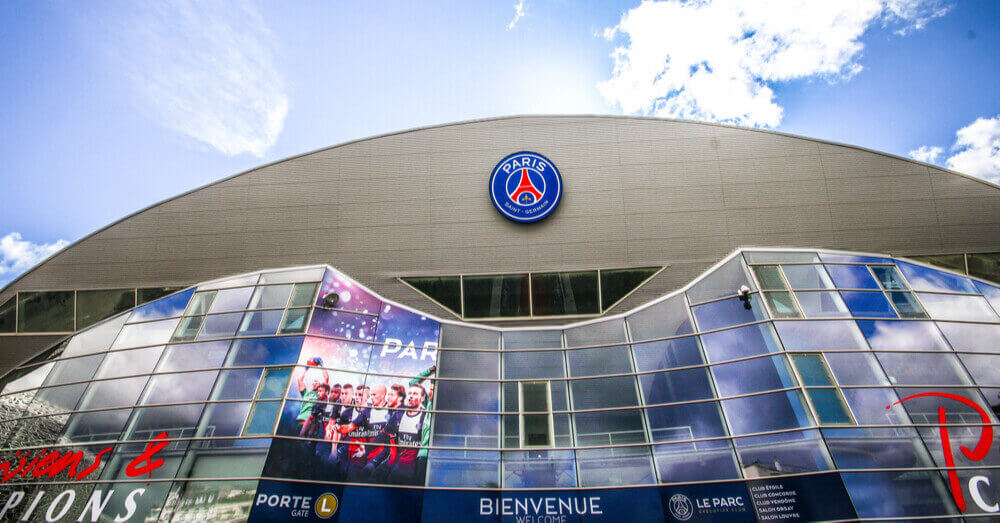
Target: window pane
[
  {"x": 237, "y": 384},
  {"x": 676, "y": 385},
  {"x": 902, "y": 335},
  {"x": 922, "y": 369},
  {"x": 604, "y": 392},
  {"x": 533, "y": 365},
  {"x": 504, "y": 295},
  {"x": 952, "y": 307},
  {"x": 72, "y": 370},
  {"x": 891, "y": 494},
  {"x": 749, "y": 376},
  {"x": 200, "y": 303},
  {"x": 868, "y": 304},
  {"x": 178, "y": 421},
  {"x": 262, "y": 418},
  {"x": 770, "y": 277},
  {"x": 45, "y": 311},
  {"x": 543, "y": 339},
  {"x": 467, "y": 430},
  {"x": 678, "y": 352},
  {"x": 728, "y": 312},
  {"x": 94, "y": 306},
  {"x": 868, "y": 406},
  {"x": 143, "y": 334},
  {"x": 906, "y": 305},
  {"x": 292, "y": 276},
  {"x": 617, "y": 283},
  {"x": 231, "y": 300},
  {"x": 925, "y": 279},
  {"x": 986, "y": 266},
  {"x": 832, "y": 257},
  {"x": 130, "y": 362},
  {"x": 192, "y": 356},
  {"x": 188, "y": 328},
  {"x": 539, "y": 468},
  {"x": 766, "y": 412},
  {"x": 113, "y": 393},
  {"x": 464, "y": 337},
  {"x": 302, "y": 295},
  {"x": 696, "y": 461},
  {"x": 97, "y": 339},
  {"x": 341, "y": 324},
  {"x": 685, "y": 422},
  {"x": 104, "y": 425},
  {"x": 8, "y": 315},
  {"x": 856, "y": 369},
  {"x": 604, "y": 360},
  {"x": 667, "y": 318},
  {"x": 606, "y": 332},
  {"x": 820, "y": 335},
  {"x": 740, "y": 343},
  {"x": 179, "y": 388},
  {"x": 829, "y": 405},
  {"x": 724, "y": 281},
  {"x": 782, "y": 305},
  {"x": 812, "y": 370},
  {"x": 260, "y": 323},
  {"x": 615, "y": 467},
  {"x": 537, "y": 432},
  {"x": 220, "y": 326},
  {"x": 852, "y": 277},
  {"x": 955, "y": 262},
  {"x": 889, "y": 278},
  {"x": 972, "y": 337},
  {"x": 777, "y": 454},
  {"x": 266, "y": 351},
  {"x": 807, "y": 277},
  {"x": 271, "y": 297},
  {"x": 557, "y": 293},
  {"x": 149, "y": 294},
  {"x": 822, "y": 305},
  {"x": 463, "y": 468},
  {"x": 468, "y": 395},
  {"x": 469, "y": 364},
  {"x": 295, "y": 321},
  {"x": 446, "y": 290}
]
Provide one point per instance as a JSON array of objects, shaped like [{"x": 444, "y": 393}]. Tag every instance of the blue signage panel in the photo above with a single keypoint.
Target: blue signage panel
[
  {"x": 801, "y": 498},
  {"x": 525, "y": 187},
  {"x": 714, "y": 502},
  {"x": 805, "y": 498}
]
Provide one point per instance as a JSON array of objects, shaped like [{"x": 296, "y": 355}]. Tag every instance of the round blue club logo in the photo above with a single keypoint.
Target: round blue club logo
[{"x": 525, "y": 187}]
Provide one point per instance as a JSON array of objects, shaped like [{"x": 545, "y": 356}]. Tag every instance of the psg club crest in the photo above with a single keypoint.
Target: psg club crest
[{"x": 525, "y": 187}]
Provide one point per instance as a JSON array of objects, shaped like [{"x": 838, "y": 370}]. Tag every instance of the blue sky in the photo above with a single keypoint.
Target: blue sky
[{"x": 108, "y": 107}]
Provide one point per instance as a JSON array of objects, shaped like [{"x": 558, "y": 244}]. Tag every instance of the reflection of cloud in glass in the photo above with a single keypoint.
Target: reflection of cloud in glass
[{"x": 902, "y": 335}]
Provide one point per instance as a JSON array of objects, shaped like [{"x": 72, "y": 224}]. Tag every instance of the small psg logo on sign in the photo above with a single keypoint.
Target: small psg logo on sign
[{"x": 525, "y": 187}]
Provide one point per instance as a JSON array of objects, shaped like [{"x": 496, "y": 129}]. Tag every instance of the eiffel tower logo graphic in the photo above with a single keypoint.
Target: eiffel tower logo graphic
[{"x": 526, "y": 193}]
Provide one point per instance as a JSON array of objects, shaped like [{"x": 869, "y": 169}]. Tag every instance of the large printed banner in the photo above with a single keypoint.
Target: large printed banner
[
  {"x": 359, "y": 408},
  {"x": 804, "y": 498}
]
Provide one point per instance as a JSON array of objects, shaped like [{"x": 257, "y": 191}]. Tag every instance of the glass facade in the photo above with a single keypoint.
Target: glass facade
[{"x": 809, "y": 385}]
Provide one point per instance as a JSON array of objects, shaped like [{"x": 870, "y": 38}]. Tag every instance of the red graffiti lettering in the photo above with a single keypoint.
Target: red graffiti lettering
[
  {"x": 976, "y": 454},
  {"x": 97, "y": 463},
  {"x": 143, "y": 463}
]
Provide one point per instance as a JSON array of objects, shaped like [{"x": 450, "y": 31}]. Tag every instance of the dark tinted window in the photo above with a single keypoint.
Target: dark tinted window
[
  {"x": 8, "y": 315},
  {"x": 94, "y": 306},
  {"x": 616, "y": 283},
  {"x": 501, "y": 295},
  {"x": 445, "y": 290},
  {"x": 557, "y": 293},
  {"x": 45, "y": 311},
  {"x": 153, "y": 293},
  {"x": 986, "y": 266}
]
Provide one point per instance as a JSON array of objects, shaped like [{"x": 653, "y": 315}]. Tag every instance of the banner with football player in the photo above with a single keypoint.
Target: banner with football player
[{"x": 356, "y": 406}]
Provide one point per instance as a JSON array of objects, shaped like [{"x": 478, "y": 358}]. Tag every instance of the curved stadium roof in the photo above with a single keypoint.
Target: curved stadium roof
[{"x": 638, "y": 192}]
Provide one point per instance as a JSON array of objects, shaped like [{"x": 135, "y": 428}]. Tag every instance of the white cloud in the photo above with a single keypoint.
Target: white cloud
[
  {"x": 18, "y": 255},
  {"x": 717, "y": 60},
  {"x": 976, "y": 150},
  {"x": 204, "y": 69},
  {"x": 927, "y": 153},
  {"x": 518, "y": 14}
]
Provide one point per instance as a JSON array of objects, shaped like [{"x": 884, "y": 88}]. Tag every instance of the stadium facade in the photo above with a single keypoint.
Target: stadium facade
[{"x": 691, "y": 322}]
